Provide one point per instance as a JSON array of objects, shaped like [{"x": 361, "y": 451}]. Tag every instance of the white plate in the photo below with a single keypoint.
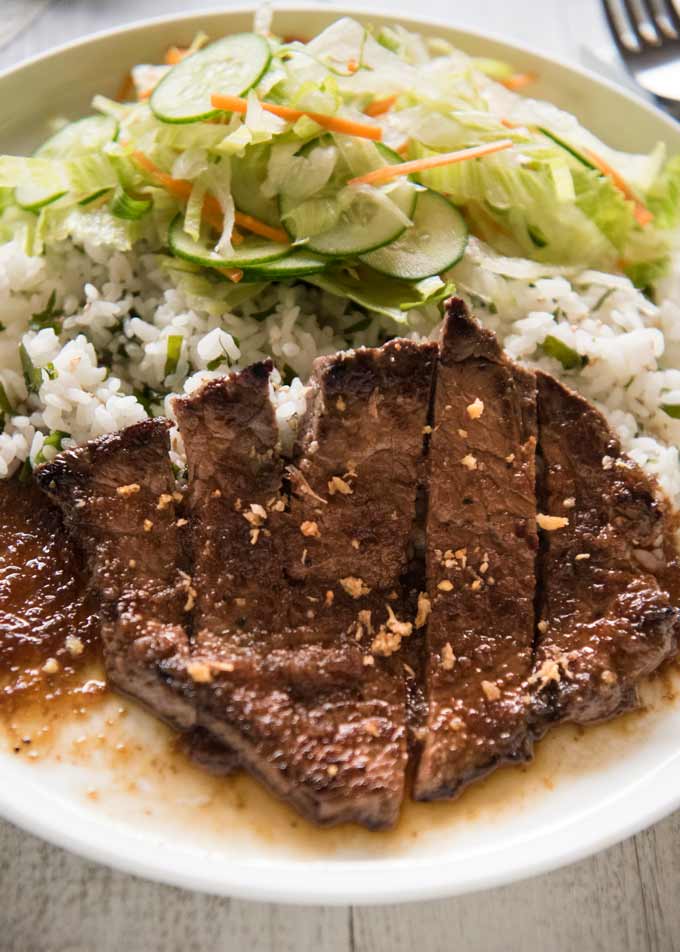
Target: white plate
[{"x": 139, "y": 808}]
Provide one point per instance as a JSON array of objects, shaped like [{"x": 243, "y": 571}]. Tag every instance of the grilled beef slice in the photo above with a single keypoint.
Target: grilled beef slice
[
  {"x": 605, "y": 619},
  {"x": 116, "y": 494},
  {"x": 312, "y": 710},
  {"x": 481, "y": 548}
]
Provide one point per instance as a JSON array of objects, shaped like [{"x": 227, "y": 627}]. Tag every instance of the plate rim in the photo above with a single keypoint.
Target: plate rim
[{"x": 437, "y": 878}]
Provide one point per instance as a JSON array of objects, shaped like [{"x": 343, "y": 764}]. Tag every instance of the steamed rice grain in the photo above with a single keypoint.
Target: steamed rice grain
[{"x": 107, "y": 366}]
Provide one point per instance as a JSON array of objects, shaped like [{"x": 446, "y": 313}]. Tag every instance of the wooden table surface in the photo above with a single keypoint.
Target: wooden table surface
[{"x": 625, "y": 899}]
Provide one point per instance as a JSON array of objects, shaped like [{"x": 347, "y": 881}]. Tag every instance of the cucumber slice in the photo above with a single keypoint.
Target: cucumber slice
[
  {"x": 254, "y": 251},
  {"x": 434, "y": 244},
  {"x": 76, "y": 139},
  {"x": 364, "y": 224},
  {"x": 230, "y": 66},
  {"x": 296, "y": 265}
]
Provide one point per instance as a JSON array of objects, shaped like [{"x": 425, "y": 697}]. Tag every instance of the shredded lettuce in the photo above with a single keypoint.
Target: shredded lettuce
[
  {"x": 663, "y": 197},
  {"x": 544, "y": 201}
]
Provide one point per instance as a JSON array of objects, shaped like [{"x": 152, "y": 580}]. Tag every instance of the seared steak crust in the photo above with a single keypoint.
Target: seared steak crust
[
  {"x": 282, "y": 668},
  {"x": 116, "y": 494},
  {"x": 606, "y": 618},
  {"x": 481, "y": 546}
]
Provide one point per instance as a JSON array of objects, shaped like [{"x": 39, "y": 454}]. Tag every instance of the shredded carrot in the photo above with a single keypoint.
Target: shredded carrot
[
  {"x": 352, "y": 66},
  {"x": 126, "y": 89},
  {"x": 388, "y": 172},
  {"x": 145, "y": 94},
  {"x": 403, "y": 148},
  {"x": 380, "y": 106},
  {"x": 261, "y": 228},
  {"x": 234, "y": 274},
  {"x": 519, "y": 81},
  {"x": 212, "y": 210},
  {"x": 175, "y": 55},
  {"x": 351, "y": 127},
  {"x": 508, "y": 124},
  {"x": 643, "y": 216}
]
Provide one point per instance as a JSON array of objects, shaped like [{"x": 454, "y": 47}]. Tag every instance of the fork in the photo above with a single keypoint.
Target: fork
[{"x": 647, "y": 36}]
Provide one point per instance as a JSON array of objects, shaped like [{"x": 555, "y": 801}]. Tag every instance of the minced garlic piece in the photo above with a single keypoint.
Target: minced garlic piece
[
  {"x": 148, "y": 525},
  {"x": 424, "y": 609},
  {"x": 457, "y": 724},
  {"x": 341, "y": 405},
  {"x": 181, "y": 523},
  {"x": 364, "y": 618},
  {"x": 476, "y": 585},
  {"x": 74, "y": 646},
  {"x": 388, "y": 639},
  {"x": 543, "y": 626},
  {"x": 51, "y": 666},
  {"x": 475, "y": 409},
  {"x": 445, "y": 585},
  {"x": 401, "y": 628},
  {"x": 448, "y": 657},
  {"x": 371, "y": 728},
  {"x": 491, "y": 691},
  {"x": 338, "y": 485},
  {"x": 330, "y": 597},
  {"x": 128, "y": 490},
  {"x": 164, "y": 501},
  {"x": 569, "y": 502},
  {"x": 191, "y": 599},
  {"x": 582, "y": 556},
  {"x": 354, "y": 586},
  {"x": 227, "y": 666},
  {"x": 386, "y": 642},
  {"x": 549, "y": 671},
  {"x": 551, "y": 523},
  {"x": 609, "y": 677},
  {"x": 332, "y": 770},
  {"x": 199, "y": 672},
  {"x": 310, "y": 529},
  {"x": 463, "y": 434},
  {"x": 469, "y": 461},
  {"x": 256, "y": 516},
  {"x": 510, "y": 458},
  {"x": 369, "y": 661}
]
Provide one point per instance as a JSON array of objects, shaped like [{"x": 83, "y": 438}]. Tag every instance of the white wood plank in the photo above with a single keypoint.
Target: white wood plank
[
  {"x": 54, "y": 902},
  {"x": 593, "y": 905}
]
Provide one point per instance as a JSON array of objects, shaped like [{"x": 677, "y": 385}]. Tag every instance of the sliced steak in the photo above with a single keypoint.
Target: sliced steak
[
  {"x": 289, "y": 663},
  {"x": 481, "y": 548},
  {"x": 116, "y": 494},
  {"x": 361, "y": 449},
  {"x": 605, "y": 619}
]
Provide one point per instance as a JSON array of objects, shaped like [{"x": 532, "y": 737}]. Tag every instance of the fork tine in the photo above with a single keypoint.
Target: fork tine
[
  {"x": 615, "y": 29},
  {"x": 665, "y": 11},
  {"x": 639, "y": 23}
]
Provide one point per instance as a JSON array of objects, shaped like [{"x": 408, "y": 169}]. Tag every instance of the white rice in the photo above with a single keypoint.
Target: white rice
[{"x": 120, "y": 309}]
